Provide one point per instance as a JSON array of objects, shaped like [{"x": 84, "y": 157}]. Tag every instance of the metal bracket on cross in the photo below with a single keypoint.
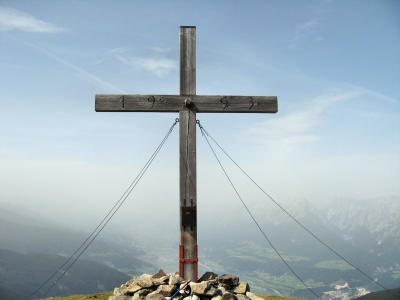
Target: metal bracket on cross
[{"x": 193, "y": 261}]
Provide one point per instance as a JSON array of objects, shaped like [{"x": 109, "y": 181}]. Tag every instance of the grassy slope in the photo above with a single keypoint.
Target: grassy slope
[
  {"x": 30, "y": 239},
  {"x": 21, "y": 274}
]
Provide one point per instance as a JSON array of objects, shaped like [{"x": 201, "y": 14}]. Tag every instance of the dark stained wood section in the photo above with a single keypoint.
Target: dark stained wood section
[{"x": 195, "y": 103}]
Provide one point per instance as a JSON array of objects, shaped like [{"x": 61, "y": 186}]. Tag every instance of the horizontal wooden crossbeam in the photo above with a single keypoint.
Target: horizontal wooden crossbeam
[{"x": 196, "y": 103}]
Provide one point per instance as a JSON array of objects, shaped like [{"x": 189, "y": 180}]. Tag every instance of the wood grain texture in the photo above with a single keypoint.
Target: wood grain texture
[
  {"x": 187, "y": 159},
  {"x": 187, "y": 144},
  {"x": 176, "y": 103},
  {"x": 188, "y": 187},
  {"x": 187, "y": 60}
]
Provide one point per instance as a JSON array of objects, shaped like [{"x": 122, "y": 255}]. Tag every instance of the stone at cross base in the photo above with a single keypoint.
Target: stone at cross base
[{"x": 161, "y": 286}]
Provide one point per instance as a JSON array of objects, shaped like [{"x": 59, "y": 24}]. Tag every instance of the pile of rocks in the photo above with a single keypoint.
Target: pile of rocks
[{"x": 161, "y": 286}]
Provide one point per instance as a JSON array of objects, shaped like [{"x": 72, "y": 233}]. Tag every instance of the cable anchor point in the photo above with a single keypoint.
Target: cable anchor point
[{"x": 203, "y": 131}]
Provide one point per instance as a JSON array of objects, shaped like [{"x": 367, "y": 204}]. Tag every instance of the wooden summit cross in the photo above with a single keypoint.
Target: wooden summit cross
[{"x": 187, "y": 103}]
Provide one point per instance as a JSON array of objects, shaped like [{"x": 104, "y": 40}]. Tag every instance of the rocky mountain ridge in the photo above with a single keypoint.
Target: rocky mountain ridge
[
  {"x": 373, "y": 225},
  {"x": 231, "y": 243}
]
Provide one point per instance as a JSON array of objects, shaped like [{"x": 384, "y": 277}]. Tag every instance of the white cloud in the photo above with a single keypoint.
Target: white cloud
[
  {"x": 158, "y": 64},
  {"x": 11, "y": 19},
  {"x": 297, "y": 126},
  {"x": 160, "y": 50},
  {"x": 90, "y": 77},
  {"x": 306, "y": 29}
]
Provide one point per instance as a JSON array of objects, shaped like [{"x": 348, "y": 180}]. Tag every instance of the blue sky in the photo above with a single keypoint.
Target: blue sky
[{"x": 334, "y": 65}]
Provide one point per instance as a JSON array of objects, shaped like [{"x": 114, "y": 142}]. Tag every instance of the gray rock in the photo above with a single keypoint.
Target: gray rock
[
  {"x": 229, "y": 296},
  {"x": 204, "y": 288},
  {"x": 145, "y": 281},
  {"x": 192, "y": 297},
  {"x": 198, "y": 288},
  {"x": 253, "y": 297},
  {"x": 122, "y": 292},
  {"x": 242, "y": 288},
  {"x": 159, "y": 274},
  {"x": 138, "y": 297},
  {"x": 120, "y": 297},
  {"x": 141, "y": 294},
  {"x": 228, "y": 279},
  {"x": 166, "y": 290},
  {"x": 164, "y": 279},
  {"x": 242, "y": 297},
  {"x": 220, "y": 291},
  {"x": 207, "y": 276},
  {"x": 128, "y": 283},
  {"x": 154, "y": 296},
  {"x": 225, "y": 286},
  {"x": 162, "y": 287},
  {"x": 175, "y": 279},
  {"x": 133, "y": 288},
  {"x": 144, "y": 292}
]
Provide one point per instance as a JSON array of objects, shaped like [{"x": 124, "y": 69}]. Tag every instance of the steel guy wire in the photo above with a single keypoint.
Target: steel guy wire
[
  {"x": 111, "y": 212},
  {"x": 205, "y": 134}
]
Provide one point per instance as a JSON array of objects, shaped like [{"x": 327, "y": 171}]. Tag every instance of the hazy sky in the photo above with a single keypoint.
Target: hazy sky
[{"x": 334, "y": 65}]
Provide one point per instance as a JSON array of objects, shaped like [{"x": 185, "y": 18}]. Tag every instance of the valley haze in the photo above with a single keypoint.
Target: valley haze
[
  {"x": 333, "y": 68},
  {"x": 368, "y": 236},
  {"x": 332, "y": 148}
]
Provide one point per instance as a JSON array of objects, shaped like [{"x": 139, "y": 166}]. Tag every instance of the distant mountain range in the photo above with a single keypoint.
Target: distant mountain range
[
  {"x": 366, "y": 233},
  {"x": 373, "y": 225},
  {"x": 30, "y": 239},
  {"x": 33, "y": 249}
]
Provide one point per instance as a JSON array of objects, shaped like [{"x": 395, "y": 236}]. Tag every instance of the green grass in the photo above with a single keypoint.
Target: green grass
[
  {"x": 293, "y": 282},
  {"x": 279, "y": 297},
  {"x": 259, "y": 253},
  {"x": 396, "y": 274},
  {"x": 334, "y": 264},
  {"x": 263, "y": 283},
  {"x": 100, "y": 296}
]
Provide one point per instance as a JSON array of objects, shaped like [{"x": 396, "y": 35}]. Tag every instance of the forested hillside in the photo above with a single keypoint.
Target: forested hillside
[{"x": 22, "y": 274}]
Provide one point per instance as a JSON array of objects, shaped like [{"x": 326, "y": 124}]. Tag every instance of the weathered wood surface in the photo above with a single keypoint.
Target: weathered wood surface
[
  {"x": 195, "y": 103},
  {"x": 187, "y": 148},
  {"x": 187, "y": 60},
  {"x": 187, "y": 103}
]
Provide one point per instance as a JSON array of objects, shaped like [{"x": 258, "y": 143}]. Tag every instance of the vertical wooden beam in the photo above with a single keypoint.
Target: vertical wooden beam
[
  {"x": 187, "y": 154},
  {"x": 187, "y": 57}
]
